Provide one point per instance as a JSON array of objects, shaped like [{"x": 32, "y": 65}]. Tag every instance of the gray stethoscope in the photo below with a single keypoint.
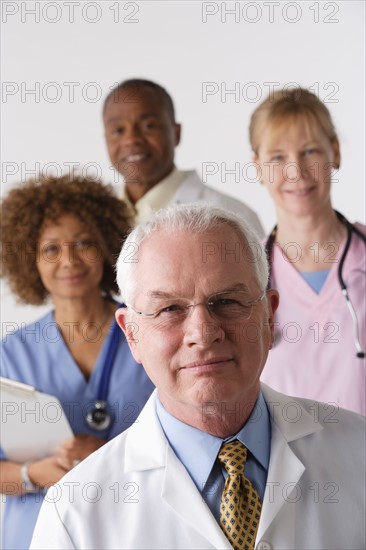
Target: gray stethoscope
[
  {"x": 350, "y": 229},
  {"x": 98, "y": 416}
]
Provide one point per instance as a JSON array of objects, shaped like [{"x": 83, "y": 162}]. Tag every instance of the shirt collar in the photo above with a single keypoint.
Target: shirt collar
[
  {"x": 255, "y": 435},
  {"x": 158, "y": 196},
  {"x": 256, "y": 432}
]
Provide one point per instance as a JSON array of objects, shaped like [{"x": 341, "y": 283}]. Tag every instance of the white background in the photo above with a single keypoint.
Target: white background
[{"x": 184, "y": 46}]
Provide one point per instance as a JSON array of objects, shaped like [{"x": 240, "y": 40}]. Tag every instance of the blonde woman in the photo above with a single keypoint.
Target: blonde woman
[{"x": 317, "y": 256}]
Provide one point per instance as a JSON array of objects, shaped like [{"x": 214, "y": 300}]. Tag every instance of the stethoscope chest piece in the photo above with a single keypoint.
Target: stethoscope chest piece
[{"x": 98, "y": 416}]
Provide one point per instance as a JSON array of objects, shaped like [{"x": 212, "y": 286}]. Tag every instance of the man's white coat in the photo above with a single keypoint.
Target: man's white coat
[{"x": 135, "y": 494}]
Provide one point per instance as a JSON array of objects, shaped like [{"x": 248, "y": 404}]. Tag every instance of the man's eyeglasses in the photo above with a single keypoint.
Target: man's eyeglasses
[{"x": 223, "y": 306}]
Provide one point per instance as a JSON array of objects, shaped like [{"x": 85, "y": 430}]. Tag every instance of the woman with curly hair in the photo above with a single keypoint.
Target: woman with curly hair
[{"x": 60, "y": 238}]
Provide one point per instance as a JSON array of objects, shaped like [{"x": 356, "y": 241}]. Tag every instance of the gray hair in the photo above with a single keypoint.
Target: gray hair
[{"x": 195, "y": 218}]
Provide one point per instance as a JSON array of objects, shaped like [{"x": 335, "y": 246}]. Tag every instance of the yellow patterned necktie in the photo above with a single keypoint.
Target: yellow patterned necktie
[{"x": 241, "y": 505}]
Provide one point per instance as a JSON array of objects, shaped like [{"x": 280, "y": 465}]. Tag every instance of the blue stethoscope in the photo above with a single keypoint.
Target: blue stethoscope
[
  {"x": 351, "y": 229},
  {"x": 98, "y": 416}
]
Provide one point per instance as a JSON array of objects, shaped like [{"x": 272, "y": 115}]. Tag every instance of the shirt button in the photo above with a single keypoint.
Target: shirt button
[{"x": 263, "y": 545}]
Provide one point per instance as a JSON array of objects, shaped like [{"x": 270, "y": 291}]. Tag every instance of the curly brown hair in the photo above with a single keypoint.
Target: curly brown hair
[{"x": 30, "y": 205}]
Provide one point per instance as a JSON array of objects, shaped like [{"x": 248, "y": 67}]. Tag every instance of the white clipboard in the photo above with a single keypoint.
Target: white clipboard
[{"x": 33, "y": 423}]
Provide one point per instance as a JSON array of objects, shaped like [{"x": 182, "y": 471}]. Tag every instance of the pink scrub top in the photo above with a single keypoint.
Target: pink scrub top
[{"x": 314, "y": 355}]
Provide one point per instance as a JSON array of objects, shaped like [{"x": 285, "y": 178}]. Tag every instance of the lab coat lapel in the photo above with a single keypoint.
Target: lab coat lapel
[
  {"x": 146, "y": 449},
  {"x": 181, "y": 494},
  {"x": 285, "y": 468},
  {"x": 146, "y": 444}
]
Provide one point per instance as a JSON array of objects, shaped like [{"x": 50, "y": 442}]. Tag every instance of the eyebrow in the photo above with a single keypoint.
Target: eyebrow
[
  {"x": 78, "y": 235},
  {"x": 156, "y": 294},
  {"x": 314, "y": 142},
  {"x": 141, "y": 117}
]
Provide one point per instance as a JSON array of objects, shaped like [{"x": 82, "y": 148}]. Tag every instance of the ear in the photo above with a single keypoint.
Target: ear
[
  {"x": 337, "y": 154},
  {"x": 177, "y": 133},
  {"x": 273, "y": 299},
  {"x": 130, "y": 330}
]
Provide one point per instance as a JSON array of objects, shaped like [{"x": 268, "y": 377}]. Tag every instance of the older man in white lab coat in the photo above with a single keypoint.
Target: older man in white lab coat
[
  {"x": 141, "y": 135},
  {"x": 200, "y": 320}
]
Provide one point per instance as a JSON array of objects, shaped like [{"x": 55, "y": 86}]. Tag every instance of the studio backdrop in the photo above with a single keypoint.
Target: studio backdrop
[{"x": 218, "y": 60}]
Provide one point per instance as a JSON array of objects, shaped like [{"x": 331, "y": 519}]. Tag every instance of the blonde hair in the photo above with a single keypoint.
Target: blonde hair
[{"x": 288, "y": 106}]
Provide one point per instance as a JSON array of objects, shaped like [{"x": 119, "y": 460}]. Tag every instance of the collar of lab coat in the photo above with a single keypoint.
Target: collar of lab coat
[
  {"x": 290, "y": 421},
  {"x": 146, "y": 445},
  {"x": 148, "y": 449}
]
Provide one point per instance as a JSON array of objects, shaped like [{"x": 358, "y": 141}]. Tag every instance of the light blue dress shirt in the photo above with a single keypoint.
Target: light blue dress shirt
[{"x": 198, "y": 450}]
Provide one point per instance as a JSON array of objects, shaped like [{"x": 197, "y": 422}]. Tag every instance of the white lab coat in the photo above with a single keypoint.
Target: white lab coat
[
  {"x": 193, "y": 190},
  {"x": 134, "y": 493}
]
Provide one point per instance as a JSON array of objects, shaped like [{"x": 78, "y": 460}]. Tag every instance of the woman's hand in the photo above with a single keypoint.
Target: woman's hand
[
  {"x": 42, "y": 473},
  {"x": 46, "y": 472},
  {"x": 75, "y": 449}
]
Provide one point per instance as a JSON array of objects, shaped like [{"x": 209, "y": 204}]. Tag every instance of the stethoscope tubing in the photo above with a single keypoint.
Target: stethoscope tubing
[
  {"x": 105, "y": 378},
  {"x": 100, "y": 404}
]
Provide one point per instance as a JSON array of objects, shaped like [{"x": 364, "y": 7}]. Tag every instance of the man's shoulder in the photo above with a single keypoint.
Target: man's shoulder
[
  {"x": 207, "y": 192},
  {"x": 297, "y": 417},
  {"x": 330, "y": 414},
  {"x": 225, "y": 200},
  {"x": 192, "y": 189}
]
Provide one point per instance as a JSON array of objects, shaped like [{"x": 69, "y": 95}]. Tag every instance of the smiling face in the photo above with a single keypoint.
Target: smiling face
[
  {"x": 70, "y": 262},
  {"x": 199, "y": 359},
  {"x": 296, "y": 161},
  {"x": 141, "y": 137}
]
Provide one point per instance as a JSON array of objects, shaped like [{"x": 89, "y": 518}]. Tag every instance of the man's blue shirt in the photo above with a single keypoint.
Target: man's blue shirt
[{"x": 198, "y": 450}]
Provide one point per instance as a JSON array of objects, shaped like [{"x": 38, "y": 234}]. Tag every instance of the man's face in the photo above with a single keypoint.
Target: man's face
[
  {"x": 141, "y": 136},
  {"x": 198, "y": 359}
]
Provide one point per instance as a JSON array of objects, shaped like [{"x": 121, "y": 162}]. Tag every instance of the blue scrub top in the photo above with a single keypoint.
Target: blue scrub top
[{"x": 37, "y": 355}]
